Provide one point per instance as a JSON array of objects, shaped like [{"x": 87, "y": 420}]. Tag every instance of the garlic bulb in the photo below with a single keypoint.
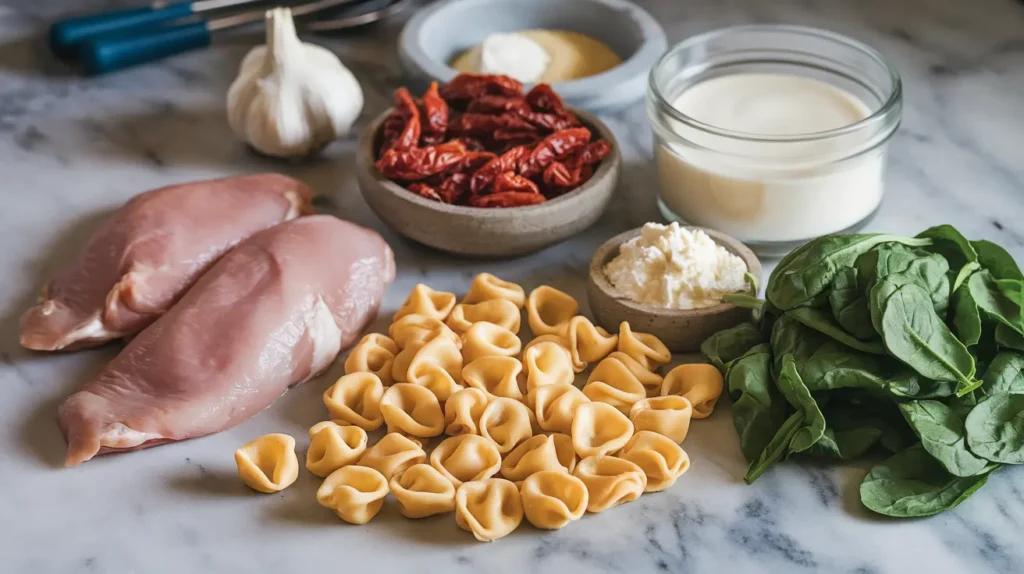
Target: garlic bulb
[{"x": 291, "y": 98}]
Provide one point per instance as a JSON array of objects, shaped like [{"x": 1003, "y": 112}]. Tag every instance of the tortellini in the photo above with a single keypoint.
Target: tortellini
[
  {"x": 413, "y": 329},
  {"x": 392, "y": 454},
  {"x": 489, "y": 509},
  {"x": 355, "y": 493},
  {"x": 649, "y": 379},
  {"x": 668, "y": 415},
  {"x": 552, "y": 499},
  {"x": 498, "y": 311},
  {"x": 547, "y": 364},
  {"x": 332, "y": 446},
  {"x": 425, "y": 301},
  {"x": 496, "y": 376},
  {"x": 613, "y": 383},
  {"x": 437, "y": 366},
  {"x": 375, "y": 354},
  {"x": 268, "y": 464},
  {"x": 598, "y": 429},
  {"x": 487, "y": 287},
  {"x": 587, "y": 342},
  {"x": 355, "y": 399},
  {"x": 555, "y": 405},
  {"x": 644, "y": 348},
  {"x": 610, "y": 481},
  {"x": 489, "y": 340},
  {"x": 506, "y": 422},
  {"x": 700, "y": 383},
  {"x": 413, "y": 410},
  {"x": 539, "y": 453},
  {"x": 661, "y": 459},
  {"x": 463, "y": 410},
  {"x": 465, "y": 458},
  {"x": 548, "y": 311},
  {"x": 422, "y": 491}
]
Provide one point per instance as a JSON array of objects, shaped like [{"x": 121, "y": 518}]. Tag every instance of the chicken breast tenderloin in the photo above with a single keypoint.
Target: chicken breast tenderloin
[
  {"x": 148, "y": 253},
  {"x": 271, "y": 314}
]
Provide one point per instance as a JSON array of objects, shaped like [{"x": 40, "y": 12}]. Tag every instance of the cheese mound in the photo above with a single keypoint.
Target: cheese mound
[{"x": 673, "y": 267}]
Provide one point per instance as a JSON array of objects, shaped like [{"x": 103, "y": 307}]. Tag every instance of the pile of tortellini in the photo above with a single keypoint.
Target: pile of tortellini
[{"x": 508, "y": 411}]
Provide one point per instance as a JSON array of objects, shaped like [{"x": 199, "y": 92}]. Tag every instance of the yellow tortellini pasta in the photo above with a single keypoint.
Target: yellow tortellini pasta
[
  {"x": 700, "y": 383},
  {"x": 355, "y": 399},
  {"x": 489, "y": 509},
  {"x": 465, "y": 458},
  {"x": 552, "y": 499},
  {"x": 413, "y": 329},
  {"x": 489, "y": 340},
  {"x": 649, "y": 379},
  {"x": 587, "y": 342},
  {"x": 661, "y": 459},
  {"x": 463, "y": 410},
  {"x": 548, "y": 311},
  {"x": 547, "y": 364},
  {"x": 506, "y": 422},
  {"x": 355, "y": 493},
  {"x": 644, "y": 348},
  {"x": 498, "y": 311},
  {"x": 487, "y": 287},
  {"x": 599, "y": 428},
  {"x": 422, "y": 491},
  {"x": 555, "y": 405},
  {"x": 332, "y": 446},
  {"x": 496, "y": 376},
  {"x": 375, "y": 354},
  {"x": 612, "y": 382},
  {"x": 413, "y": 410},
  {"x": 610, "y": 481},
  {"x": 425, "y": 301},
  {"x": 437, "y": 366},
  {"x": 668, "y": 415},
  {"x": 539, "y": 453},
  {"x": 393, "y": 454},
  {"x": 268, "y": 464}
]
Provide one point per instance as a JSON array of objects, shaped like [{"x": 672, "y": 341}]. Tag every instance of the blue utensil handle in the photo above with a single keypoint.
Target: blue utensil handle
[
  {"x": 66, "y": 35},
  {"x": 117, "y": 51}
]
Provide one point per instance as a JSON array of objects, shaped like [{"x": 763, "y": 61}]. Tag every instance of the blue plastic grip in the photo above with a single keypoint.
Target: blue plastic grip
[
  {"x": 110, "y": 53},
  {"x": 67, "y": 35}
]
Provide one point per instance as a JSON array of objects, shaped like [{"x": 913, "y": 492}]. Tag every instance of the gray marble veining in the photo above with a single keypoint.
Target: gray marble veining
[{"x": 73, "y": 148}]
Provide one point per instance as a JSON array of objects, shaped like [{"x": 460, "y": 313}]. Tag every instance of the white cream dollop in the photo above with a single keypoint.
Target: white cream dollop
[
  {"x": 513, "y": 55},
  {"x": 673, "y": 267}
]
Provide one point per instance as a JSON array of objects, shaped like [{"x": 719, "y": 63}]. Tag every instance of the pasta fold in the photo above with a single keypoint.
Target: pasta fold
[
  {"x": 489, "y": 340},
  {"x": 422, "y": 491},
  {"x": 355, "y": 399},
  {"x": 375, "y": 354},
  {"x": 392, "y": 454},
  {"x": 463, "y": 410},
  {"x": 610, "y": 481},
  {"x": 465, "y": 458},
  {"x": 332, "y": 446},
  {"x": 268, "y": 464},
  {"x": 669, "y": 415},
  {"x": 599, "y": 429},
  {"x": 425, "y": 301},
  {"x": 498, "y": 311},
  {"x": 413, "y": 410},
  {"x": 496, "y": 376},
  {"x": 437, "y": 365},
  {"x": 548, "y": 311},
  {"x": 555, "y": 405},
  {"x": 552, "y": 499},
  {"x": 489, "y": 509},
  {"x": 506, "y": 422},
  {"x": 644, "y": 348},
  {"x": 661, "y": 459},
  {"x": 413, "y": 329},
  {"x": 539, "y": 453},
  {"x": 612, "y": 382},
  {"x": 487, "y": 287},
  {"x": 355, "y": 493},
  {"x": 547, "y": 363},
  {"x": 700, "y": 383},
  {"x": 588, "y": 343}
]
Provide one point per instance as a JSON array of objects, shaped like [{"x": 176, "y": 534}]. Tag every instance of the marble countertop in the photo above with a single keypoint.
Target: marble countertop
[{"x": 73, "y": 148}]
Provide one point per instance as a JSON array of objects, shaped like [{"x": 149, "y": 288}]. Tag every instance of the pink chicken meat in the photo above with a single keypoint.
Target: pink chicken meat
[
  {"x": 269, "y": 315},
  {"x": 148, "y": 253}
]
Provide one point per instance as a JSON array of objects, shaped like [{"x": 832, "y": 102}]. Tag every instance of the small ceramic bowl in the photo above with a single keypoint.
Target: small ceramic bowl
[
  {"x": 487, "y": 232},
  {"x": 437, "y": 34},
  {"x": 682, "y": 330}
]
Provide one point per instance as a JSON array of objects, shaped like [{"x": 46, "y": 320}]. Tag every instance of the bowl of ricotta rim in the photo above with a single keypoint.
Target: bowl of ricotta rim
[{"x": 683, "y": 327}]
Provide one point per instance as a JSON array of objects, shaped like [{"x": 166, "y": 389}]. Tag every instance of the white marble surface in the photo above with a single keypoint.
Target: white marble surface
[{"x": 71, "y": 148}]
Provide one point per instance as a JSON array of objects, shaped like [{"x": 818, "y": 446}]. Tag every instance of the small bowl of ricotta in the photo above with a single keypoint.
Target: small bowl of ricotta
[
  {"x": 669, "y": 281},
  {"x": 595, "y": 53}
]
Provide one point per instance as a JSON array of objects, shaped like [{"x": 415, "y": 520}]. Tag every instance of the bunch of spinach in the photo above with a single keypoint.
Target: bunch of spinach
[{"x": 908, "y": 345}]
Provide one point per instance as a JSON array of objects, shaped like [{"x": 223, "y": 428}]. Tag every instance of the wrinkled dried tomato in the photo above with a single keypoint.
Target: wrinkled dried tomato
[
  {"x": 435, "y": 112},
  {"x": 542, "y": 97},
  {"x": 471, "y": 143},
  {"x": 487, "y": 124},
  {"x": 420, "y": 163},
  {"x": 406, "y": 110},
  {"x": 455, "y": 188},
  {"x": 507, "y": 199},
  {"x": 590, "y": 154},
  {"x": 423, "y": 190},
  {"x": 553, "y": 122},
  {"x": 554, "y": 147},
  {"x": 484, "y": 177},
  {"x": 465, "y": 87},
  {"x": 510, "y": 181},
  {"x": 498, "y": 104}
]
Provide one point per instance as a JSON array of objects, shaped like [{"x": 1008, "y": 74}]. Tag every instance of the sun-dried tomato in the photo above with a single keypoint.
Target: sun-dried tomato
[
  {"x": 498, "y": 104},
  {"x": 554, "y": 147},
  {"x": 510, "y": 181},
  {"x": 466, "y": 87},
  {"x": 507, "y": 199},
  {"x": 435, "y": 112},
  {"x": 590, "y": 154},
  {"x": 423, "y": 190},
  {"x": 420, "y": 163},
  {"x": 471, "y": 143},
  {"x": 486, "y": 124},
  {"x": 406, "y": 106},
  {"x": 455, "y": 188},
  {"x": 484, "y": 177},
  {"x": 553, "y": 122},
  {"x": 543, "y": 98}
]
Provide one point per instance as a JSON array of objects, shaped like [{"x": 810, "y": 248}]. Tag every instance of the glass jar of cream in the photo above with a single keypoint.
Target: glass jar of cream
[{"x": 772, "y": 134}]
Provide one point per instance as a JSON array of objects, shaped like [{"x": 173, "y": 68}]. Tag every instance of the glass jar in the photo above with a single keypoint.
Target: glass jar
[{"x": 773, "y": 192}]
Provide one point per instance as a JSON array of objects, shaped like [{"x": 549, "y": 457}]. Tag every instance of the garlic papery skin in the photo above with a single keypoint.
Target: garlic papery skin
[{"x": 291, "y": 98}]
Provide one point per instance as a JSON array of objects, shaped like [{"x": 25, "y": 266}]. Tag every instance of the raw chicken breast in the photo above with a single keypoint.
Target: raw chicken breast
[
  {"x": 147, "y": 254},
  {"x": 272, "y": 313}
]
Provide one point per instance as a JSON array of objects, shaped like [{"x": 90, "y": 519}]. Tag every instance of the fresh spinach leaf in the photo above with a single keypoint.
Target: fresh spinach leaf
[
  {"x": 928, "y": 272},
  {"x": 777, "y": 448},
  {"x": 806, "y": 273},
  {"x": 850, "y": 306},
  {"x": 966, "y": 317},
  {"x": 744, "y": 300},
  {"x": 995, "y": 428},
  {"x": 964, "y": 273},
  {"x": 833, "y": 366},
  {"x": 725, "y": 346},
  {"x": 823, "y": 323},
  {"x": 997, "y": 260},
  {"x": 912, "y": 483},
  {"x": 942, "y": 434},
  {"x": 1009, "y": 338},
  {"x": 1005, "y": 374},
  {"x": 951, "y": 244},
  {"x": 993, "y": 302},
  {"x": 796, "y": 392},
  {"x": 758, "y": 409},
  {"x": 849, "y": 433}
]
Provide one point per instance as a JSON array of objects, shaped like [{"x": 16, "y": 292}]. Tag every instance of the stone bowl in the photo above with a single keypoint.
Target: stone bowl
[
  {"x": 682, "y": 330},
  {"x": 487, "y": 232}
]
